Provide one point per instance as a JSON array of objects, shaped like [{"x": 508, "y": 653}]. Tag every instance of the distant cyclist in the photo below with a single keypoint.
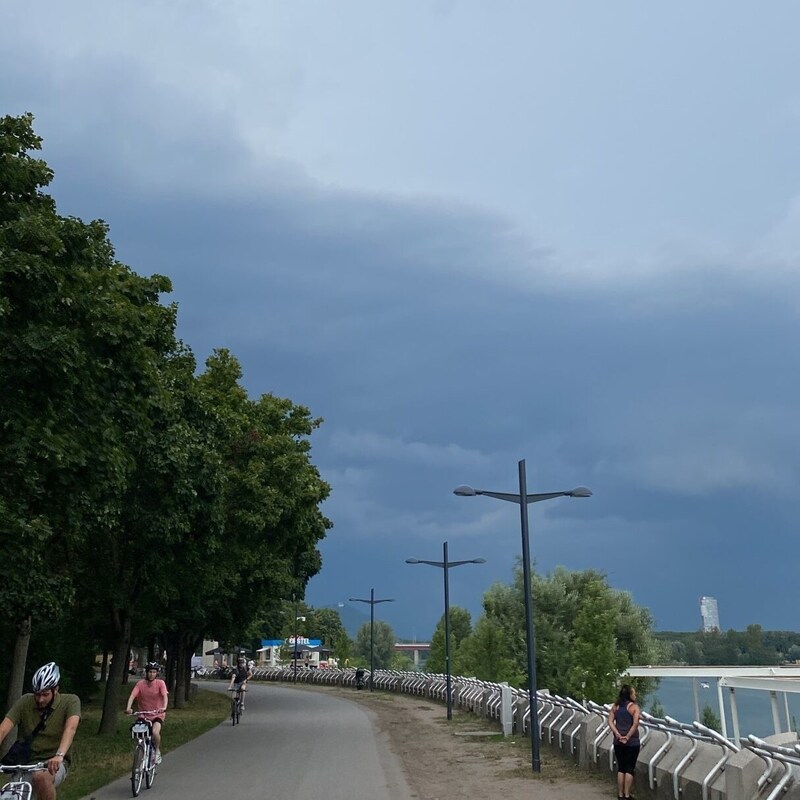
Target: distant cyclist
[
  {"x": 151, "y": 696},
  {"x": 241, "y": 674},
  {"x": 49, "y": 720}
]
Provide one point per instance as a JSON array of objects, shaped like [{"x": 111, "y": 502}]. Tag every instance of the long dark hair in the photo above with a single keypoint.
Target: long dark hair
[{"x": 625, "y": 695}]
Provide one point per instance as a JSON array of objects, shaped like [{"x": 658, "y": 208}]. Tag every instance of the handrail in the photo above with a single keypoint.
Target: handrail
[
  {"x": 602, "y": 729},
  {"x": 662, "y": 725},
  {"x": 788, "y": 758}
]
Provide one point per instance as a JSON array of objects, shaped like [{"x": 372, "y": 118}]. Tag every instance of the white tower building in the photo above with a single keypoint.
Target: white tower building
[{"x": 709, "y": 613}]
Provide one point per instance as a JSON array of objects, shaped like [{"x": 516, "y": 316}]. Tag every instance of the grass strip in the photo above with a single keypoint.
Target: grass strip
[{"x": 98, "y": 760}]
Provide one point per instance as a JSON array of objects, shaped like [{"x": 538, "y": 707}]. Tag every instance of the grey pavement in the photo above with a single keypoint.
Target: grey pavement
[{"x": 290, "y": 743}]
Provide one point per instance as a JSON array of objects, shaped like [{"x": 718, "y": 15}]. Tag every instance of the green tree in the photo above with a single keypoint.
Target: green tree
[
  {"x": 710, "y": 719},
  {"x": 384, "y": 641},
  {"x": 402, "y": 662},
  {"x": 569, "y": 652},
  {"x": 460, "y": 628},
  {"x": 326, "y": 624},
  {"x": 656, "y": 709},
  {"x": 597, "y": 662},
  {"x": 485, "y": 655}
]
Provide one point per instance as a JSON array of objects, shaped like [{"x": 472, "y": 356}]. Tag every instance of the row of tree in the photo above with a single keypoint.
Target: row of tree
[
  {"x": 587, "y": 635},
  {"x": 139, "y": 497},
  {"x": 750, "y": 647}
]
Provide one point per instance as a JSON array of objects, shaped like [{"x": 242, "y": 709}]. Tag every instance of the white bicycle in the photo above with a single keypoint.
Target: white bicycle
[
  {"x": 19, "y": 786},
  {"x": 144, "y": 751}
]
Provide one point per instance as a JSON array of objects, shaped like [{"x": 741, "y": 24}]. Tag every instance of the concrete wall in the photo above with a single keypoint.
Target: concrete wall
[{"x": 584, "y": 737}]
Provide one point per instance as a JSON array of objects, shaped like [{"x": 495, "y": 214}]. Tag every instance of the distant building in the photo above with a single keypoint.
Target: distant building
[{"x": 709, "y": 612}]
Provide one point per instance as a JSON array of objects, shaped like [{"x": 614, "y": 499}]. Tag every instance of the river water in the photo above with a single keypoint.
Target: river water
[{"x": 753, "y": 707}]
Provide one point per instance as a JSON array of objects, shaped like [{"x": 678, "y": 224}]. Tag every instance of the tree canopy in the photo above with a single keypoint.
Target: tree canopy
[
  {"x": 587, "y": 634},
  {"x": 181, "y": 506}
]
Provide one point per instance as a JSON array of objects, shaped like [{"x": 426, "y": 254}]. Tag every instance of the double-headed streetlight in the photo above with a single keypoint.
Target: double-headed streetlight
[
  {"x": 372, "y": 601},
  {"x": 445, "y": 566},
  {"x": 580, "y": 491}
]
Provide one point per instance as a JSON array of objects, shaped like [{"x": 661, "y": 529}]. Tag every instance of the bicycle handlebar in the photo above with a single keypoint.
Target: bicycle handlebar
[
  {"x": 140, "y": 713},
  {"x": 38, "y": 766}
]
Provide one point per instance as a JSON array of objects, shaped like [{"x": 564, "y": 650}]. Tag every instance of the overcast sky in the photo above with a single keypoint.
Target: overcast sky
[{"x": 466, "y": 233}]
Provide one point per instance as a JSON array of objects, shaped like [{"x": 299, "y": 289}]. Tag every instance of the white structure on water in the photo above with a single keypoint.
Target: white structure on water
[{"x": 709, "y": 613}]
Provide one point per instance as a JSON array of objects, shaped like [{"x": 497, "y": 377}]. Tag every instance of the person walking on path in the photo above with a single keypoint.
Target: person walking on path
[
  {"x": 47, "y": 723},
  {"x": 151, "y": 700},
  {"x": 623, "y": 719}
]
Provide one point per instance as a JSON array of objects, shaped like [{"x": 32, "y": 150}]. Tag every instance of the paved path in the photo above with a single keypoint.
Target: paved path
[{"x": 290, "y": 743}]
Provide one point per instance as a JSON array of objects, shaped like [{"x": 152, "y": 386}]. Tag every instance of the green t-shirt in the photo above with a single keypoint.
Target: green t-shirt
[{"x": 25, "y": 714}]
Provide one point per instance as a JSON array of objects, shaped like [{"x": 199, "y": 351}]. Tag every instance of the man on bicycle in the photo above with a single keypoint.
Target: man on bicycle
[
  {"x": 49, "y": 720},
  {"x": 239, "y": 678},
  {"x": 151, "y": 696}
]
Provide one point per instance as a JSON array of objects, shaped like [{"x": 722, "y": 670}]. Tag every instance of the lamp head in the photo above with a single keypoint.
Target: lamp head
[
  {"x": 412, "y": 561},
  {"x": 478, "y": 560},
  {"x": 580, "y": 491},
  {"x": 465, "y": 491}
]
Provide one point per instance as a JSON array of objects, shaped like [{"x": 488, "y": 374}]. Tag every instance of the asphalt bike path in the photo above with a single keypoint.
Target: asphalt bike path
[{"x": 289, "y": 743}]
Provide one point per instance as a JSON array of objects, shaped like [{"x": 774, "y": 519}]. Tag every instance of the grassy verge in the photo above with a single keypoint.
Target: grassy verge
[{"x": 96, "y": 760}]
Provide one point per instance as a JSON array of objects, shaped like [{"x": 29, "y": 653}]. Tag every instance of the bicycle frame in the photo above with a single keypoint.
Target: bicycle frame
[
  {"x": 19, "y": 787},
  {"x": 236, "y": 704}
]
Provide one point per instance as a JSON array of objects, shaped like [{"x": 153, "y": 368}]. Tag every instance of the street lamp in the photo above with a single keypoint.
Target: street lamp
[
  {"x": 372, "y": 601},
  {"x": 294, "y": 660},
  {"x": 445, "y": 565},
  {"x": 580, "y": 491}
]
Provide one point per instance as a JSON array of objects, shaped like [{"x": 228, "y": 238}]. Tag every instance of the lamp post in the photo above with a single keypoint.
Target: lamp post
[
  {"x": 294, "y": 660},
  {"x": 579, "y": 491},
  {"x": 445, "y": 566},
  {"x": 372, "y": 601}
]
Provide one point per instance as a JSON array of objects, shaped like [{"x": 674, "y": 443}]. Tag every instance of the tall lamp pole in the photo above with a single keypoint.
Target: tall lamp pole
[
  {"x": 579, "y": 491},
  {"x": 294, "y": 660},
  {"x": 372, "y": 601},
  {"x": 445, "y": 566}
]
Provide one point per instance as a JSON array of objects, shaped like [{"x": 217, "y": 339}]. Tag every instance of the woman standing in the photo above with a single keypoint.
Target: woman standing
[{"x": 623, "y": 720}]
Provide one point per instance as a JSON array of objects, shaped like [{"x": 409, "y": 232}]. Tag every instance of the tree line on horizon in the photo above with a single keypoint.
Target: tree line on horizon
[
  {"x": 750, "y": 647},
  {"x": 144, "y": 500}
]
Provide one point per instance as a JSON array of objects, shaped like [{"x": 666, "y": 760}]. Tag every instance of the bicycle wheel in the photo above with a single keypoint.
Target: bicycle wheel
[
  {"x": 234, "y": 718},
  {"x": 150, "y": 767},
  {"x": 239, "y": 709},
  {"x": 137, "y": 771}
]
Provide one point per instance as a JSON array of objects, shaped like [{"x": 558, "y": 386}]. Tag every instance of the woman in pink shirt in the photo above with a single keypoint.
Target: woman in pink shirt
[{"x": 151, "y": 701}]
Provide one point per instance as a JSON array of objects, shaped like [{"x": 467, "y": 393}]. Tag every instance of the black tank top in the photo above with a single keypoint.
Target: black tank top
[{"x": 623, "y": 719}]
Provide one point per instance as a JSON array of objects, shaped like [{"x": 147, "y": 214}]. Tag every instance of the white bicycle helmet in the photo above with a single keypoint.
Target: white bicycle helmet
[{"x": 46, "y": 677}]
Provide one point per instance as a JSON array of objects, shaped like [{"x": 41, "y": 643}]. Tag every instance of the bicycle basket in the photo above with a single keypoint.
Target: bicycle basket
[
  {"x": 16, "y": 791},
  {"x": 140, "y": 729}
]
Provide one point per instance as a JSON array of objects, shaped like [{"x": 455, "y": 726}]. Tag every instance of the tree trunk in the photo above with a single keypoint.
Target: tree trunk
[
  {"x": 117, "y": 671},
  {"x": 17, "y": 677},
  {"x": 15, "y": 683},
  {"x": 179, "y": 659},
  {"x": 104, "y": 666}
]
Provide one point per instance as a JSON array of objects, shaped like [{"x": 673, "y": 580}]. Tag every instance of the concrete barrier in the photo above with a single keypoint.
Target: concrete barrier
[{"x": 677, "y": 761}]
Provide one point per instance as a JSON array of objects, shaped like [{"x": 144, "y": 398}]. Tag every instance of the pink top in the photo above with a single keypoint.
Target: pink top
[{"x": 150, "y": 696}]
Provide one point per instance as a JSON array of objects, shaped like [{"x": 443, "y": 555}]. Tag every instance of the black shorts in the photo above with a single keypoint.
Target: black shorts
[{"x": 626, "y": 754}]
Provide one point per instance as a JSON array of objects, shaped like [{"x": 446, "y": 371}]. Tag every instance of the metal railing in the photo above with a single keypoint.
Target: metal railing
[
  {"x": 774, "y": 757},
  {"x": 562, "y": 720}
]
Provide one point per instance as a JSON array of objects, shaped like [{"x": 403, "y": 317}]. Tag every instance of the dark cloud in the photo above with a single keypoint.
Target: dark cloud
[{"x": 441, "y": 345}]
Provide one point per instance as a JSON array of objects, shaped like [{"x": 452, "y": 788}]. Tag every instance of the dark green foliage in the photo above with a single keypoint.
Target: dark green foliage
[
  {"x": 181, "y": 507},
  {"x": 586, "y": 635},
  {"x": 710, "y": 719},
  {"x": 751, "y": 647}
]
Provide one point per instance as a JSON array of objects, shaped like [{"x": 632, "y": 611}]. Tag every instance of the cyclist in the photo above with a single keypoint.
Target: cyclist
[
  {"x": 241, "y": 674},
  {"x": 49, "y": 720},
  {"x": 151, "y": 695}
]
